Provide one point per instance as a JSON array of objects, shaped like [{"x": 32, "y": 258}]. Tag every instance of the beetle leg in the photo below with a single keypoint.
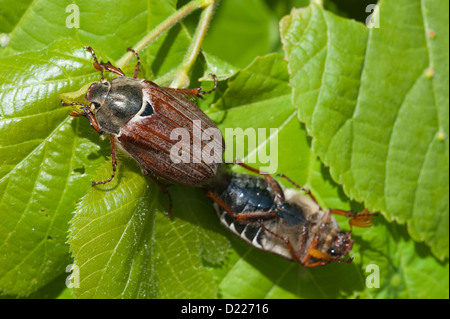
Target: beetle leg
[
  {"x": 111, "y": 68},
  {"x": 96, "y": 64},
  {"x": 307, "y": 191},
  {"x": 258, "y": 216},
  {"x": 362, "y": 219},
  {"x": 302, "y": 242},
  {"x": 92, "y": 120},
  {"x": 114, "y": 162},
  {"x": 317, "y": 263},
  {"x": 200, "y": 92},
  {"x": 284, "y": 239},
  {"x": 221, "y": 203},
  {"x": 345, "y": 261},
  {"x": 323, "y": 258},
  {"x": 244, "y": 217},
  {"x": 308, "y": 256},
  {"x": 136, "y": 68},
  {"x": 107, "y": 66},
  {"x": 197, "y": 91}
]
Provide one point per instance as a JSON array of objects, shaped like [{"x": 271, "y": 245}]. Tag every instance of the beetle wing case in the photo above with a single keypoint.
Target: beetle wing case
[{"x": 148, "y": 137}]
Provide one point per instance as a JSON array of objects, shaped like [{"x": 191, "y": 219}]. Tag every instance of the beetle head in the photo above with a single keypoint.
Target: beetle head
[
  {"x": 97, "y": 93},
  {"x": 341, "y": 246},
  {"x": 115, "y": 102}
]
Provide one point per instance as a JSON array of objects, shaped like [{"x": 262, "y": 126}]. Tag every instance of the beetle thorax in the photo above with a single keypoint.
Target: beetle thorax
[{"x": 116, "y": 102}]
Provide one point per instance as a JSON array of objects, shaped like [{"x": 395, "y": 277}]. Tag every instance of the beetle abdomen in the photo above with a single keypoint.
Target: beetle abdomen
[{"x": 246, "y": 194}]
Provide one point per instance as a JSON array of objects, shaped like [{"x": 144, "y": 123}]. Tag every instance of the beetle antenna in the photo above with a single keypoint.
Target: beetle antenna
[{"x": 96, "y": 64}]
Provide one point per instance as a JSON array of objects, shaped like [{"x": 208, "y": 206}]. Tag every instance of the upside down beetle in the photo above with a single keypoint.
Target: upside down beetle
[{"x": 283, "y": 221}]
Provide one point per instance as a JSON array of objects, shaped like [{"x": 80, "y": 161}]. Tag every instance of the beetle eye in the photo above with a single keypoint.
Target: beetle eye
[{"x": 148, "y": 110}]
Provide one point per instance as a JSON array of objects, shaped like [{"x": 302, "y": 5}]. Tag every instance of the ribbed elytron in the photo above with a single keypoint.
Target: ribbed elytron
[{"x": 287, "y": 222}]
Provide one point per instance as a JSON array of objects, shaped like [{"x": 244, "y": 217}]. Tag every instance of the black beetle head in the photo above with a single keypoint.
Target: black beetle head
[
  {"x": 116, "y": 102},
  {"x": 97, "y": 93},
  {"x": 341, "y": 245}
]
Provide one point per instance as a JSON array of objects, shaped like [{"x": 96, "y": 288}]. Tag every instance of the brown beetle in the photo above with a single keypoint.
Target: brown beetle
[
  {"x": 283, "y": 221},
  {"x": 143, "y": 117}
]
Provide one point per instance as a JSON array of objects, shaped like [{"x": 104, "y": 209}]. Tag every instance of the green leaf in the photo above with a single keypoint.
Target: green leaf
[
  {"x": 259, "y": 98},
  {"x": 125, "y": 248},
  {"x": 217, "y": 66},
  {"x": 48, "y": 159},
  {"x": 96, "y": 22},
  {"x": 101, "y": 27},
  {"x": 236, "y": 25},
  {"x": 44, "y": 167},
  {"x": 376, "y": 104},
  {"x": 11, "y": 14},
  {"x": 123, "y": 244},
  {"x": 407, "y": 269}
]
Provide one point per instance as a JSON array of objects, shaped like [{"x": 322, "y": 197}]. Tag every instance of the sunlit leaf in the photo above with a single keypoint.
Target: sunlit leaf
[{"x": 376, "y": 103}]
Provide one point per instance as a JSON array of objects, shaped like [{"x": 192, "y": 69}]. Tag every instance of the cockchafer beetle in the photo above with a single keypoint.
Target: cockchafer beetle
[
  {"x": 141, "y": 116},
  {"x": 283, "y": 221}
]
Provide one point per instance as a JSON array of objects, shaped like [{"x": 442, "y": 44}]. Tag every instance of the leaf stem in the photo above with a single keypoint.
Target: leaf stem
[
  {"x": 182, "y": 76},
  {"x": 163, "y": 26}
]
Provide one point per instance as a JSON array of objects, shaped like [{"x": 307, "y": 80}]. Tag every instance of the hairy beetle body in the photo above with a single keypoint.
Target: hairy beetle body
[
  {"x": 146, "y": 137},
  {"x": 283, "y": 222},
  {"x": 142, "y": 116},
  {"x": 116, "y": 102}
]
